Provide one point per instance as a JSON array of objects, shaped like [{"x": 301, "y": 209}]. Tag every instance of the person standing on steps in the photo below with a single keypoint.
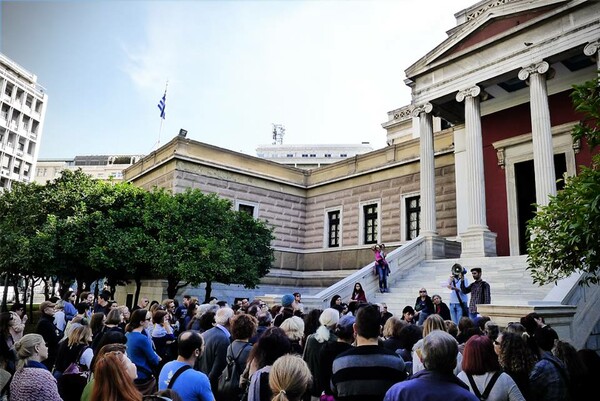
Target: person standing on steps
[
  {"x": 480, "y": 292},
  {"x": 459, "y": 302},
  {"x": 381, "y": 268}
]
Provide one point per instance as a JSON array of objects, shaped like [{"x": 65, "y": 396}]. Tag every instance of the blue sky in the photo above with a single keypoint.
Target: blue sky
[{"x": 329, "y": 71}]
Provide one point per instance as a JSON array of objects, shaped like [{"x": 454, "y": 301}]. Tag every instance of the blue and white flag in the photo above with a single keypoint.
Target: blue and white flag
[{"x": 162, "y": 105}]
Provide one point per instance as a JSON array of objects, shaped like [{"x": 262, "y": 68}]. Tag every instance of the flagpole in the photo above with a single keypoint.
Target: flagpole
[{"x": 162, "y": 115}]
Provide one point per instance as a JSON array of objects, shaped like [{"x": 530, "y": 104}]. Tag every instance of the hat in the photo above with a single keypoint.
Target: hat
[
  {"x": 287, "y": 300},
  {"x": 476, "y": 269},
  {"x": 46, "y": 304},
  {"x": 345, "y": 327}
]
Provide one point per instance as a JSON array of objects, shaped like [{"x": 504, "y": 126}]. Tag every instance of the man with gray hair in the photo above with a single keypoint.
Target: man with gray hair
[
  {"x": 437, "y": 381},
  {"x": 216, "y": 340}
]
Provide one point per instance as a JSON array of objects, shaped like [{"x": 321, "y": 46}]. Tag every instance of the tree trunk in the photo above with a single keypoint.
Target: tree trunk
[
  {"x": 33, "y": 280},
  {"x": 5, "y": 293},
  {"x": 172, "y": 287},
  {"x": 138, "y": 287},
  {"x": 25, "y": 288},
  {"x": 208, "y": 291}
]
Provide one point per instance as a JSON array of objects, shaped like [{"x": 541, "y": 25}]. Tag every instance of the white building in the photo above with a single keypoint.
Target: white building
[
  {"x": 100, "y": 167},
  {"x": 22, "y": 108},
  {"x": 311, "y": 156}
]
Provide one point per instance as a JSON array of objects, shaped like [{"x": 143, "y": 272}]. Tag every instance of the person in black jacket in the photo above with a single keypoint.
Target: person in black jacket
[
  {"x": 48, "y": 330},
  {"x": 440, "y": 308},
  {"x": 423, "y": 306}
]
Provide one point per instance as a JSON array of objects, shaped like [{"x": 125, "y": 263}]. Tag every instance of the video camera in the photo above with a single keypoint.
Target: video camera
[{"x": 458, "y": 271}]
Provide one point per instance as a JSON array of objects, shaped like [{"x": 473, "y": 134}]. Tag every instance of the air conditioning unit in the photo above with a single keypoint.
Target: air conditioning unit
[{"x": 5, "y": 173}]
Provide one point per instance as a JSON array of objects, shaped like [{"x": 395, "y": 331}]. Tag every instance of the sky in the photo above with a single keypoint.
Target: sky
[{"x": 328, "y": 71}]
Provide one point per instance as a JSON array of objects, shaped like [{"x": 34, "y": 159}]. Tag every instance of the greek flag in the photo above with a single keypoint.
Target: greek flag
[{"x": 162, "y": 105}]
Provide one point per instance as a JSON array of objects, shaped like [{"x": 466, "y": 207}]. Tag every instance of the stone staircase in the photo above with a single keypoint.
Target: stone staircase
[{"x": 509, "y": 280}]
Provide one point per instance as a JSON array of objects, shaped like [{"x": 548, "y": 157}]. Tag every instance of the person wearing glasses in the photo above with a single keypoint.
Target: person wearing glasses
[
  {"x": 139, "y": 350},
  {"x": 423, "y": 306}
]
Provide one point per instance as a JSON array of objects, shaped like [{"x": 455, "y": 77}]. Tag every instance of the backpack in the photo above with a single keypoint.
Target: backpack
[
  {"x": 488, "y": 388},
  {"x": 74, "y": 378},
  {"x": 228, "y": 388}
]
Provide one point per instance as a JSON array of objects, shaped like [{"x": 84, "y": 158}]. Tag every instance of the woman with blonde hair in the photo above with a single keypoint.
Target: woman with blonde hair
[
  {"x": 113, "y": 378},
  {"x": 294, "y": 329},
  {"x": 32, "y": 381},
  {"x": 74, "y": 350},
  {"x": 315, "y": 343},
  {"x": 289, "y": 378},
  {"x": 432, "y": 323}
]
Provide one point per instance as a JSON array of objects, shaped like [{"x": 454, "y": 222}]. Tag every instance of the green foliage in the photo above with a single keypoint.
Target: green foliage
[
  {"x": 564, "y": 235},
  {"x": 76, "y": 228}
]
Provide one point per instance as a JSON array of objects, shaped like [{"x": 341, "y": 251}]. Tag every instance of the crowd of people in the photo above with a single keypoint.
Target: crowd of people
[{"x": 84, "y": 349}]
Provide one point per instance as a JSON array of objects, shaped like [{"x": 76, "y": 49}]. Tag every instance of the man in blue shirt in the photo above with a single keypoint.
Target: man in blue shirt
[{"x": 190, "y": 384}]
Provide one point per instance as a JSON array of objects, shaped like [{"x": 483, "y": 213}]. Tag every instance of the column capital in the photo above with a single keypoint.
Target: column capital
[
  {"x": 592, "y": 48},
  {"x": 473, "y": 91},
  {"x": 541, "y": 67},
  {"x": 422, "y": 108}
]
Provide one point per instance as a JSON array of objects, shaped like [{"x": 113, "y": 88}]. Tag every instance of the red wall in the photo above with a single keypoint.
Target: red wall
[{"x": 506, "y": 124}]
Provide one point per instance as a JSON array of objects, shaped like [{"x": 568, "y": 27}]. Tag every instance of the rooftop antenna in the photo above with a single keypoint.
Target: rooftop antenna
[{"x": 278, "y": 133}]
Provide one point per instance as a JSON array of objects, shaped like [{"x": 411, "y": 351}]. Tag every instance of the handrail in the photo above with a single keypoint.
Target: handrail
[{"x": 400, "y": 259}]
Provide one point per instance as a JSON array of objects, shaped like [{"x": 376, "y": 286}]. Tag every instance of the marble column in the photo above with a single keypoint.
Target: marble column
[
  {"x": 592, "y": 49},
  {"x": 477, "y": 240},
  {"x": 541, "y": 132},
  {"x": 434, "y": 245},
  {"x": 427, "y": 167}
]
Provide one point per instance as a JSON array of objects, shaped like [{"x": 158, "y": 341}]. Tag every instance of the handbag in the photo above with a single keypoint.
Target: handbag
[{"x": 73, "y": 379}]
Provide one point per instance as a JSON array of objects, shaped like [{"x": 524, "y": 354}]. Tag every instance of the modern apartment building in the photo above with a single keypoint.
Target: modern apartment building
[{"x": 22, "y": 108}]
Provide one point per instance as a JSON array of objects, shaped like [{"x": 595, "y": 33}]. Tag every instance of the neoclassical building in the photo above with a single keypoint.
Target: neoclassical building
[
  {"x": 487, "y": 134},
  {"x": 502, "y": 79}
]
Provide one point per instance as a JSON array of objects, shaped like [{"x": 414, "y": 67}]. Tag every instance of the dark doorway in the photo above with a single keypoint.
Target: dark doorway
[{"x": 525, "y": 187}]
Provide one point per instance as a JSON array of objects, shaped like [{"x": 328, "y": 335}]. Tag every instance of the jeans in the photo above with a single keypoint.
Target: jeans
[
  {"x": 456, "y": 312},
  {"x": 422, "y": 317},
  {"x": 382, "y": 273}
]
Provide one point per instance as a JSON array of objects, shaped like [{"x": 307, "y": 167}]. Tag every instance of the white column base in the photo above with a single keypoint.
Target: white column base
[
  {"x": 478, "y": 243},
  {"x": 435, "y": 247}
]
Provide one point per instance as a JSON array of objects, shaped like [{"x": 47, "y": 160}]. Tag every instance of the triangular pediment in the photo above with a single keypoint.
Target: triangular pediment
[{"x": 487, "y": 23}]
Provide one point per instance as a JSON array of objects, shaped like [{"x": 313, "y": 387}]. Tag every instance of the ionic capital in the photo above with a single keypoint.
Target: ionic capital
[
  {"x": 473, "y": 91},
  {"x": 422, "y": 108},
  {"x": 537, "y": 68},
  {"x": 592, "y": 48}
]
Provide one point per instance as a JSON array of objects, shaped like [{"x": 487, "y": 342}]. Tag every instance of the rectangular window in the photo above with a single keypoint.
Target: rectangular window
[
  {"x": 246, "y": 209},
  {"x": 8, "y": 90},
  {"x": 334, "y": 229},
  {"x": 17, "y": 166},
  {"x": 29, "y": 101},
  {"x": 413, "y": 216},
  {"x": 38, "y": 106},
  {"x": 370, "y": 225}
]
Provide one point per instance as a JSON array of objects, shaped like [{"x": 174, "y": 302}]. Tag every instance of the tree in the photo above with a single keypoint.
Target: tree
[
  {"x": 564, "y": 235},
  {"x": 202, "y": 240}
]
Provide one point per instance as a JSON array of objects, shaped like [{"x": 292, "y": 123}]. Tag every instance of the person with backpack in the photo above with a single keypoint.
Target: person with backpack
[
  {"x": 481, "y": 371},
  {"x": 243, "y": 328},
  {"x": 178, "y": 375}
]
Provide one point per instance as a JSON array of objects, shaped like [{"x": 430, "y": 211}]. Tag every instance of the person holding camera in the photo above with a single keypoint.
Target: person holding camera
[{"x": 459, "y": 302}]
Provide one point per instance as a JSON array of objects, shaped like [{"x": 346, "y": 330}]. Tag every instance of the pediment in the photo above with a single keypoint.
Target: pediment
[{"x": 488, "y": 22}]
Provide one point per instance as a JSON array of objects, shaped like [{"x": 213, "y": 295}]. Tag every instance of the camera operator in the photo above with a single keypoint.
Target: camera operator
[{"x": 459, "y": 302}]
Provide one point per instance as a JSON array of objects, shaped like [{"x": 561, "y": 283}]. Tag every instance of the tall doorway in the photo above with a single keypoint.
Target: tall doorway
[{"x": 525, "y": 188}]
